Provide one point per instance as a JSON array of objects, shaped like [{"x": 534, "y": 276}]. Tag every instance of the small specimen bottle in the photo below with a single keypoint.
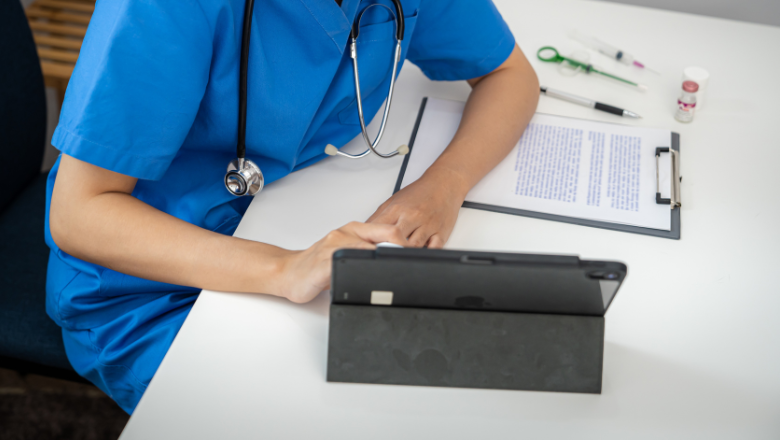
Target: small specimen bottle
[{"x": 686, "y": 104}]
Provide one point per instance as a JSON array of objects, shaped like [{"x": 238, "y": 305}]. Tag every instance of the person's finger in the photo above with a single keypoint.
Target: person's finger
[
  {"x": 342, "y": 238},
  {"x": 435, "y": 242},
  {"x": 378, "y": 233},
  {"x": 384, "y": 218},
  {"x": 420, "y": 237},
  {"x": 407, "y": 225}
]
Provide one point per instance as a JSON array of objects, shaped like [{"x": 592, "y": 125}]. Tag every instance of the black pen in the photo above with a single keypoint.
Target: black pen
[{"x": 588, "y": 102}]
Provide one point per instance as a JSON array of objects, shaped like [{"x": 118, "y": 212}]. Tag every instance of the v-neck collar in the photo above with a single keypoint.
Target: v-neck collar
[
  {"x": 349, "y": 9},
  {"x": 335, "y": 21}
]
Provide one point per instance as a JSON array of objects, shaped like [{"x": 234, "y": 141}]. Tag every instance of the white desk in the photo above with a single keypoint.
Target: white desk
[{"x": 692, "y": 341}]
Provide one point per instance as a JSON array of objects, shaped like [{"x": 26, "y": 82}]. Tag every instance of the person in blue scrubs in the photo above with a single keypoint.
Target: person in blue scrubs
[{"x": 138, "y": 218}]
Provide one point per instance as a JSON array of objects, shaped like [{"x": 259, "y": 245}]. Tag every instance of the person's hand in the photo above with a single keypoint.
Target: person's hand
[
  {"x": 425, "y": 211},
  {"x": 304, "y": 274}
]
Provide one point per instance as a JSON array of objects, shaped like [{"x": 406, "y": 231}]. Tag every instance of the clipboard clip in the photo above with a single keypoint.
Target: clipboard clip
[{"x": 674, "y": 202}]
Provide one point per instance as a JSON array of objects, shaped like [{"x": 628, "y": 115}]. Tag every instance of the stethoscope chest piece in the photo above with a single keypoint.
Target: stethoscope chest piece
[{"x": 243, "y": 178}]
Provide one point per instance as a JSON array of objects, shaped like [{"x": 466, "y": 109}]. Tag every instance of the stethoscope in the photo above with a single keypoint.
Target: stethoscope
[{"x": 244, "y": 176}]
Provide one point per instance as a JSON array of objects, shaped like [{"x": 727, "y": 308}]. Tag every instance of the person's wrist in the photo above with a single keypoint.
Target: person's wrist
[
  {"x": 270, "y": 270},
  {"x": 282, "y": 268},
  {"x": 443, "y": 177}
]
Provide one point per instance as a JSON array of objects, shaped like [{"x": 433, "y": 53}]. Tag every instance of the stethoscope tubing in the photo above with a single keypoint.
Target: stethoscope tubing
[
  {"x": 399, "y": 35},
  {"x": 243, "y": 176},
  {"x": 385, "y": 113},
  {"x": 246, "y": 33}
]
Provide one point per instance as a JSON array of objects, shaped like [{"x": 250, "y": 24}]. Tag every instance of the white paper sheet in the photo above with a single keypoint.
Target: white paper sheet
[{"x": 562, "y": 166}]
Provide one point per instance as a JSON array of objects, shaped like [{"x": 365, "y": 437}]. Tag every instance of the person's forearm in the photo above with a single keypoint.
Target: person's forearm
[
  {"x": 497, "y": 111},
  {"x": 118, "y": 231},
  {"x": 93, "y": 216}
]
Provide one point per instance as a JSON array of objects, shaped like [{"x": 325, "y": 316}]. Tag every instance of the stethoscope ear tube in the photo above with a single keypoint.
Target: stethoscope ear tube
[
  {"x": 399, "y": 20},
  {"x": 403, "y": 149}
]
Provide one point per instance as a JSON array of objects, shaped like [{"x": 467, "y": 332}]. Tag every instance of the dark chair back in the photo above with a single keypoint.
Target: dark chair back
[
  {"x": 22, "y": 104},
  {"x": 30, "y": 342}
]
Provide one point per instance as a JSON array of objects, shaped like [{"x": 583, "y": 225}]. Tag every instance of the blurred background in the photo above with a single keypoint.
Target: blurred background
[{"x": 754, "y": 11}]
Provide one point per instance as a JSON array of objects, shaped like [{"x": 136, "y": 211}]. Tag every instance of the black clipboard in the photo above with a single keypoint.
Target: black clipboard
[{"x": 674, "y": 233}]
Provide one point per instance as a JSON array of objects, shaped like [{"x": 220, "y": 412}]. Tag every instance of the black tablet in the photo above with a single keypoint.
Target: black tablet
[{"x": 451, "y": 279}]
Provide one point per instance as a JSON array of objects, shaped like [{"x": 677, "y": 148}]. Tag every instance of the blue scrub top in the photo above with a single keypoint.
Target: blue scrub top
[{"x": 154, "y": 96}]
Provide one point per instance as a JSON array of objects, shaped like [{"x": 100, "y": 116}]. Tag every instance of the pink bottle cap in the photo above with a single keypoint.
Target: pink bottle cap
[{"x": 690, "y": 87}]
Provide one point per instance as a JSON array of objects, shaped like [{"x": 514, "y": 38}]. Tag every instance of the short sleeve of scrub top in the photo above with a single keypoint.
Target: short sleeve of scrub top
[
  {"x": 154, "y": 96},
  {"x": 138, "y": 86}
]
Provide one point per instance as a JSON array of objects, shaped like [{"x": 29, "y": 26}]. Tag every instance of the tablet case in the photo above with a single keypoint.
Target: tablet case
[
  {"x": 482, "y": 281},
  {"x": 465, "y": 348},
  {"x": 674, "y": 233},
  {"x": 402, "y": 323}
]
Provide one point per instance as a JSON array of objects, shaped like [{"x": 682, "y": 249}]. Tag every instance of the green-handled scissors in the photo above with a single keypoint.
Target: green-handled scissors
[{"x": 555, "y": 57}]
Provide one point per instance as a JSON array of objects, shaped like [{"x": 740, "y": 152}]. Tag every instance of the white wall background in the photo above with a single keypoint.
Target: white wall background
[{"x": 756, "y": 11}]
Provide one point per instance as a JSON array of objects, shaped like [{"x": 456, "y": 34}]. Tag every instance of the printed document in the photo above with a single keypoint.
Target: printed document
[{"x": 562, "y": 166}]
